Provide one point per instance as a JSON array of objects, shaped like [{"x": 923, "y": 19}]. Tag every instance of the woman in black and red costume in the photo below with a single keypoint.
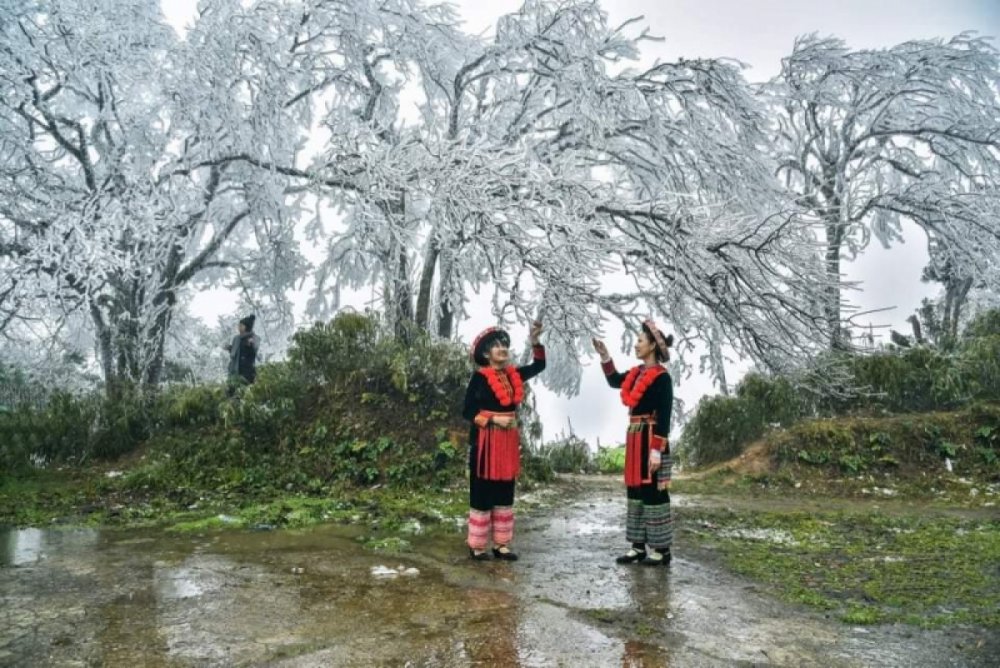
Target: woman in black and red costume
[
  {"x": 648, "y": 392},
  {"x": 495, "y": 391}
]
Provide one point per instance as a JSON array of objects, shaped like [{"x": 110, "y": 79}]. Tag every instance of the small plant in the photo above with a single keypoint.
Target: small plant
[
  {"x": 818, "y": 458},
  {"x": 569, "y": 454},
  {"x": 879, "y": 441},
  {"x": 988, "y": 436},
  {"x": 610, "y": 460},
  {"x": 852, "y": 464},
  {"x": 861, "y": 615},
  {"x": 947, "y": 449},
  {"x": 988, "y": 456}
]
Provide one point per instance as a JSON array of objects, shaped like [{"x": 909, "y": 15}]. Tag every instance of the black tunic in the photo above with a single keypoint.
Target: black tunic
[
  {"x": 487, "y": 494},
  {"x": 658, "y": 399},
  {"x": 479, "y": 396}
]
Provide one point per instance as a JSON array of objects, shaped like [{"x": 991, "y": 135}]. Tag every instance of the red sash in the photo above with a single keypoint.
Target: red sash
[{"x": 639, "y": 426}]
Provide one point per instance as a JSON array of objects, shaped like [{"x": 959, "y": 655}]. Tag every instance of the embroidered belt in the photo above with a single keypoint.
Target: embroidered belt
[{"x": 486, "y": 415}]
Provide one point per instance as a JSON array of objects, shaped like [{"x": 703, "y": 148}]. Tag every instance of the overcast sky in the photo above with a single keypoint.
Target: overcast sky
[{"x": 758, "y": 33}]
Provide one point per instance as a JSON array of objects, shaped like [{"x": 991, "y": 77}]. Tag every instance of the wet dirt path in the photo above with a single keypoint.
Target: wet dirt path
[{"x": 316, "y": 598}]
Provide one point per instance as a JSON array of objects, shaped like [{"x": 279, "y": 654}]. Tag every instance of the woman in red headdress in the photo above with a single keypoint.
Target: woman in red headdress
[
  {"x": 495, "y": 391},
  {"x": 648, "y": 392}
]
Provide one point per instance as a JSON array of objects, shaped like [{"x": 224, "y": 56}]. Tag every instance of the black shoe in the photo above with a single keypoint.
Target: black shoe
[
  {"x": 631, "y": 557},
  {"x": 656, "y": 558},
  {"x": 504, "y": 553},
  {"x": 478, "y": 556}
]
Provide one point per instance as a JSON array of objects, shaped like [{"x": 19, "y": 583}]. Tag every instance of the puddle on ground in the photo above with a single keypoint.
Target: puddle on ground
[{"x": 72, "y": 597}]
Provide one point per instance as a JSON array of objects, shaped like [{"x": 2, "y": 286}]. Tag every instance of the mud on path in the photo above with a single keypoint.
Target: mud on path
[{"x": 317, "y": 598}]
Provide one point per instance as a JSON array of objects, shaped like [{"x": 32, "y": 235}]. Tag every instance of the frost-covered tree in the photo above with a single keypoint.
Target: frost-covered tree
[
  {"x": 527, "y": 167},
  {"x": 112, "y": 199},
  {"x": 870, "y": 138},
  {"x": 956, "y": 280},
  {"x": 539, "y": 165}
]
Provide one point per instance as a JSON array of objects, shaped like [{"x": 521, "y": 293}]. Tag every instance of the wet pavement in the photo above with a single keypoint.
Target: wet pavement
[{"x": 80, "y": 597}]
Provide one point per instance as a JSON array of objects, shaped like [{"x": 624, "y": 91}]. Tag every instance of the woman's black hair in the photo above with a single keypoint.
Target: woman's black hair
[
  {"x": 662, "y": 354},
  {"x": 488, "y": 341}
]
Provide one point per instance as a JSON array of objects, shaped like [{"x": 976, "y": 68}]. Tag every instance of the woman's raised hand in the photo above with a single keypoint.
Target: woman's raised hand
[
  {"x": 601, "y": 349},
  {"x": 535, "y": 332}
]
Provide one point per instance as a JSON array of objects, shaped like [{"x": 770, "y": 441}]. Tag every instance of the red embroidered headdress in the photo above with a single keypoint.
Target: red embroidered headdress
[
  {"x": 662, "y": 343},
  {"x": 483, "y": 342}
]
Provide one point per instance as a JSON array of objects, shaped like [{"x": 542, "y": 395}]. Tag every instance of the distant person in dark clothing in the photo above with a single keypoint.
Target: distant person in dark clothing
[{"x": 243, "y": 355}]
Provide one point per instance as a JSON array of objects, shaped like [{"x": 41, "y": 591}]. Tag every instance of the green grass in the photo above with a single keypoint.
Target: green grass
[
  {"x": 49, "y": 496},
  {"x": 88, "y": 497},
  {"x": 866, "y": 569}
]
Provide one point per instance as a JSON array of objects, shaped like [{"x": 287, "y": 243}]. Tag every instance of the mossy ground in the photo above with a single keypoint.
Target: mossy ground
[
  {"x": 870, "y": 518},
  {"x": 863, "y": 568},
  {"x": 87, "y": 497}
]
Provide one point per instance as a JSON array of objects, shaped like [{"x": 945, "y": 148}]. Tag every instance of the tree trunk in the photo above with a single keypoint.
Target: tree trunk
[
  {"x": 960, "y": 296},
  {"x": 426, "y": 283},
  {"x": 446, "y": 318},
  {"x": 949, "y": 296},
  {"x": 399, "y": 292},
  {"x": 834, "y": 241},
  {"x": 446, "y": 322},
  {"x": 718, "y": 362},
  {"x": 158, "y": 340},
  {"x": 403, "y": 293},
  {"x": 105, "y": 352}
]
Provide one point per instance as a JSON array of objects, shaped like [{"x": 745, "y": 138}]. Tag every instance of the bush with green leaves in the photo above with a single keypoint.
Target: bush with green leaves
[
  {"x": 979, "y": 364},
  {"x": 331, "y": 353},
  {"x": 722, "y": 426},
  {"x": 984, "y": 324},
  {"x": 569, "y": 454},
  {"x": 353, "y": 404},
  {"x": 17, "y": 390},
  {"x": 73, "y": 429},
  {"x": 910, "y": 379},
  {"x": 899, "y": 380},
  {"x": 610, "y": 460},
  {"x": 912, "y": 444},
  {"x": 352, "y": 354}
]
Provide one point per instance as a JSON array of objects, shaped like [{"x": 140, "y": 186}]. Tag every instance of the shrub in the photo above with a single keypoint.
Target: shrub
[
  {"x": 984, "y": 324},
  {"x": 912, "y": 379},
  {"x": 190, "y": 405},
  {"x": 722, "y": 426},
  {"x": 913, "y": 446},
  {"x": 570, "y": 454},
  {"x": 535, "y": 469},
  {"x": 58, "y": 431},
  {"x": 330, "y": 353},
  {"x": 899, "y": 380},
  {"x": 353, "y": 404},
  {"x": 73, "y": 429},
  {"x": 979, "y": 364},
  {"x": 610, "y": 460}
]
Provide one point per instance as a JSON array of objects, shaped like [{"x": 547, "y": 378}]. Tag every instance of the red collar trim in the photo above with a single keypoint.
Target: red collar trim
[
  {"x": 503, "y": 391},
  {"x": 632, "y": 395}
]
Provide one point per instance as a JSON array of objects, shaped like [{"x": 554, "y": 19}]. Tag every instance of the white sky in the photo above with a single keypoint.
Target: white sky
[{"x": 758, "y": 33}]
